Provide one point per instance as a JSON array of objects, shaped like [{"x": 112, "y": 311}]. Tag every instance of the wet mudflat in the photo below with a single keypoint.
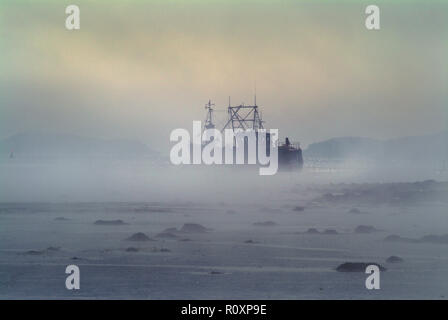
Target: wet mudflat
[{"x": 226, "y": 251}]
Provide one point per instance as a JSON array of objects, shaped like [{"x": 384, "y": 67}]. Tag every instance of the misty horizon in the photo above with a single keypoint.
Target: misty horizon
[{"x": 48, "y": 133}]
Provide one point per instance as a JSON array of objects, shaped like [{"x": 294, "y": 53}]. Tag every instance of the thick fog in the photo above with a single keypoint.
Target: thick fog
[{"x": 70, "y": 171}]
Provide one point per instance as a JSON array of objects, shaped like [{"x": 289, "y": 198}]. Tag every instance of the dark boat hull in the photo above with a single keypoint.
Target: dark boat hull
[{"x": 289, "y": 158}]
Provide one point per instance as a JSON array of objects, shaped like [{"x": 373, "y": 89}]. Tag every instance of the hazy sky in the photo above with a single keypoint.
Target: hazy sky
[{"x": 138, "y": 69}]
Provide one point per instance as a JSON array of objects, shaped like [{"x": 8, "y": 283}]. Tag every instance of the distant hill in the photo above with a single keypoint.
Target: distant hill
[
  {"x": 432, "y": 147},
  {"x": 344, "y": 147},
  {"x": 50, "y": 144}
]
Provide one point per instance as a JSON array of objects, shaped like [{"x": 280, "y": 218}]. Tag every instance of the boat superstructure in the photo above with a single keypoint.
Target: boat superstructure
[{"x": 244, "y": 117}]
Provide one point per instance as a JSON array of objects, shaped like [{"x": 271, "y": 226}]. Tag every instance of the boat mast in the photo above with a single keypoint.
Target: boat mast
[
  {"x": 209, "y": 120},
  {"x": 244, "y": 117}
]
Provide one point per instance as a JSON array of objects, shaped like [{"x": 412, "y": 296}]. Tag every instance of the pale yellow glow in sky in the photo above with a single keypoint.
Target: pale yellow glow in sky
[{"x": 142, "y": 68}]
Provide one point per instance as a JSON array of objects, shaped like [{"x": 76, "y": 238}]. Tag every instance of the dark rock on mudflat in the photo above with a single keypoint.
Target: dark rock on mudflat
[
  {"x": 35, "y": 252},
  {"x": 312, "y": 231},
  {"x": 440, "y": 239},
  {"x": 41, "y": 252},
  {"x": 394, "y": 259},
  {"x": 250, "y": 241},
  {"x": 265, "y": 224},
  {"x": 215, "y": 272},
  {"x": 160, "y": 250},
  {"x": 61, "y": 219},
  {"x": 357, "y": 266},
  {"x": 298, "y": 208},
  {"x": 139, "y": 236},
  {"x": 365, "y": 229},
  {"x": 397, "y": 238},
  {"x": 393, "y": 238},
  {"x": 109, "y": 222},
  {"x": 384, "y": 193},
  {"x": 435, "y": 239},
  {"x": 193, "y": 228},
  {"x": 154, "y": 209}
]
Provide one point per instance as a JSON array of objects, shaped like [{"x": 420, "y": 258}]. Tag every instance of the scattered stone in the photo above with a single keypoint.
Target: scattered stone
[
  {"x": 215, "y": 272},
  {"x": 153, "y": 209},
  {"x": 154, "y": 249},
  {"x": 394, "y": 259},
  {"x": 250, "y": 241},
  {"x": 61, "y": 219},
  {"x": 365, "y": 229},
  {"x": 193, "y": 228},
  {"x": 443, "y": 239},
  {"x": 312, "y": 231},
  {"x": 357, "y": 266},
  {"x": 139, "y": 236},
  {"x": 383, "y": 193},
  {"x": 35, "y": 252},
  {"x": 40, "y": 252},
  {"x": 397, "y": 238},
  {"x": 109, "y": 222},
  {"x": 265, "y": 224}
]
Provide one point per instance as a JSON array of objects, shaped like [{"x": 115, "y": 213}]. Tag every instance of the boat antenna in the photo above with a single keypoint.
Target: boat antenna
[
  {"x": 208, "y": 120},
  {"x": 255, "y": 93}
]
